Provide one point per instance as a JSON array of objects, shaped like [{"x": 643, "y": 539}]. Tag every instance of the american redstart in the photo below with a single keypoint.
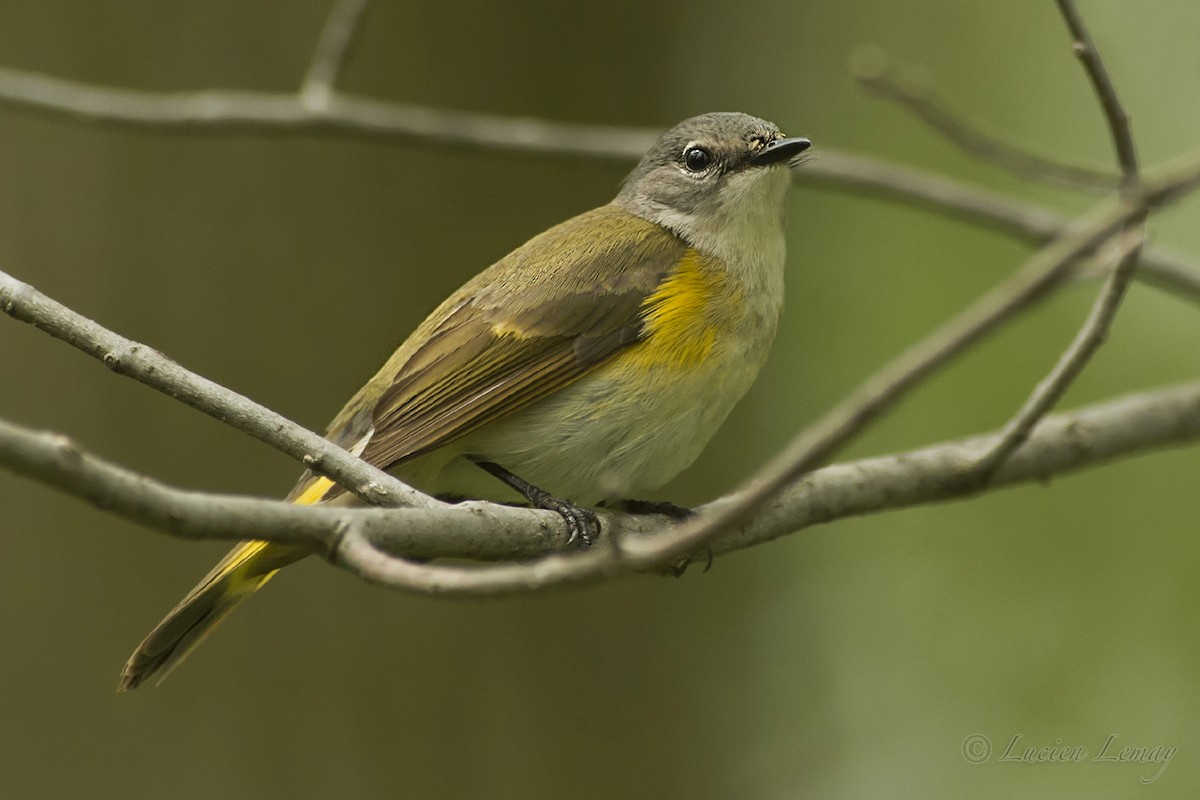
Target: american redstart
[{"x": 594, "y": 361}]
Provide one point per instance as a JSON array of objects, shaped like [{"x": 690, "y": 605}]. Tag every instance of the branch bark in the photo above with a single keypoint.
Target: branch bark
[
  {"x": 873, "y": 70},
  {"x": 354, "y": 537},
  {"x": 146, "y": 365},
  {"x": 1095, "y": 328},
  {"x": 228, "y": 111},
  {"x": 366, "y": 539},
  {"x": 331, "y": 52}
]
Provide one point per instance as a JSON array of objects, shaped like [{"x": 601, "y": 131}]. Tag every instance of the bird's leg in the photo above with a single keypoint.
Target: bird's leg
[{"x": 582, "y": 523}]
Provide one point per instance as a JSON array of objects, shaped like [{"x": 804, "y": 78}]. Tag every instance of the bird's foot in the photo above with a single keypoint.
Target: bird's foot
[{"x": 582, "y": 523}]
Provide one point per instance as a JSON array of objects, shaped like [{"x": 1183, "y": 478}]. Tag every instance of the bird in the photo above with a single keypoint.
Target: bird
[{"x": 592, "y": 362}]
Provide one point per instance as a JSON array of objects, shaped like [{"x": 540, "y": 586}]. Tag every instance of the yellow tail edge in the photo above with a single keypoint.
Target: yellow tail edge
[{"x": 240, "y": 574}]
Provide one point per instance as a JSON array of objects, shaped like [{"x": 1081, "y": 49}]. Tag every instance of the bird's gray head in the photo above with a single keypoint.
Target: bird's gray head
[{"x": 711, "y": 171}]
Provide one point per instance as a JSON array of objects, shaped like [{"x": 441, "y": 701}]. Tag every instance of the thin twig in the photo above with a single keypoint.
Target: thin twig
[
  {"x": 873, "y": 71},
  {"x": 228, "y": 111},
  {"x": 275, "y": 112},
  {"x": 372, "y": 542},
  {"x": 1118, "y": 121},
  {"x": 478, "y": 530},
  {"x": 332, "y": 49},
  {"x": 1095, "y": 328},
  {"x": 862, "y": 175},
  {"x": 1062, "y": 442},
  {"x": 1070, "y": 364},
  {"x": 145, "y": 364}
]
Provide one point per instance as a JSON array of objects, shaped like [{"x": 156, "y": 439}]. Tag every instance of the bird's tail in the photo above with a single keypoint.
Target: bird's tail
[{"x": 241, "y": 573}]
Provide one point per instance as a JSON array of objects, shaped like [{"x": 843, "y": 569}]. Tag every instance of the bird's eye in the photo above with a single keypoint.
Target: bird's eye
[{"x": 697, "y": 159}]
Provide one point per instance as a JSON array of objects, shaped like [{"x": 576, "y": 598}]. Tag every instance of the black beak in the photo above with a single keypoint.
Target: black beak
[{"x": 781, "y": 150}]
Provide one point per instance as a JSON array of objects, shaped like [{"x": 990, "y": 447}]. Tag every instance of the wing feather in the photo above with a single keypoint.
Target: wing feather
[{"x": 519, "y": 331}]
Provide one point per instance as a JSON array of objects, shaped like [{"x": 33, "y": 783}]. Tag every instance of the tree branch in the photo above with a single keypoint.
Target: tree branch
[
  {"x": 331, "y": 52},
  {"x": 276, "y": 112},
  {"x": 365, "y": 540},
  {"x": 1031, "y": 223},
  {"x": 146, "y": 365},
  {"x": 1100, "y": 318},
  {"x": 231, "y": 111},
  {"x": 873, "y": 70},
  {"x": 1106, "y": 92}
]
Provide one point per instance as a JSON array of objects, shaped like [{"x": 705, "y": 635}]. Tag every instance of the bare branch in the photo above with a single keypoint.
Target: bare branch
[
  {"x": 479, "y": 530},
  {"x": 231, "y": 111},
  {"x": 372, "y": 542},
  {"x": 841, "y": 172},
  {"x": 1070, "y": 364},
  {"x": 1062, "y": 442},
  {"x": 146, "y": 365},
  {"x": 1168, "y": 273},
  {"x": 332, "y": 49},
  {"x": 1104, "y": 310},
  {"x": 1106, "y": 92},
  {"x": 872, "y": 68},
  {"x": 275, "y": 112},
  {"x": 357, "y": 554}
]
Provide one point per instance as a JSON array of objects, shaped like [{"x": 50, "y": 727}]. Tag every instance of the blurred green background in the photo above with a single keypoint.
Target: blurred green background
[{"x": 847, "y": 661}]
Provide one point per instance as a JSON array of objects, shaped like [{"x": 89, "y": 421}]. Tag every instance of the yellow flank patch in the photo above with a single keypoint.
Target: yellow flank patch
[
  {"x": 682, "y": 316},
  {"x": 314, "y": 493}
]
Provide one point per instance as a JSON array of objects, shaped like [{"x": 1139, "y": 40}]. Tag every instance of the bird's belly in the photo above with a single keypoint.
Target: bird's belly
[{"x": 628, "y": 427}]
